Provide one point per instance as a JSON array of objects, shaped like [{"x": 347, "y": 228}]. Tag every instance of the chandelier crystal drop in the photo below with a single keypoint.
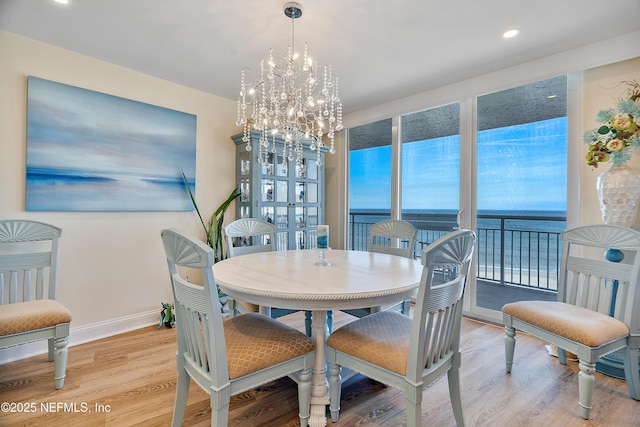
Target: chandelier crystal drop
[{"x": 294, "y": 99}]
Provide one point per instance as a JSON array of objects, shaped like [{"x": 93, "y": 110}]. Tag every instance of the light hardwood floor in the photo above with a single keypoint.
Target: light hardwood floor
[{"x": 129, "y": 380}]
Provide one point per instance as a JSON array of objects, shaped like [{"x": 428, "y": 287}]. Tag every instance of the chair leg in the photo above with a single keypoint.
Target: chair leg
[
  {"x": 60, "y": 353},
  {"x": 509, "y": 345},
  {"x": 406, "y": 307},
  {"x": 51, "y": 347},
  {"x": 562, "y": 355},
  {"x": 219, "y": 402},
  {"x": 304, "y": 396},
  {"x": 182, "y": 393},
  {"x": 586, "y": 384},
  {"x": 454, "y": 394},
  {"x": 335, "y": 385},
  {"x": 413, "y": 403},
  {"x": 632, "y": 371},
  {"x": 307, "y": 323}
]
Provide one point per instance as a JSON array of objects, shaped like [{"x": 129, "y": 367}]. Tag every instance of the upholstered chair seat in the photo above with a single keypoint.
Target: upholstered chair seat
[{"x": 32, "y": 315}]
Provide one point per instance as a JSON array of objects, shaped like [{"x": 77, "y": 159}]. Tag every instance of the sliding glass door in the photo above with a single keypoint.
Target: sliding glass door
[
  {"x": 512, "y": 189},
  {"x": 521, "y": 192},
  {"x": 430, "y": 171},
  {"x": 370, "y": 179}
]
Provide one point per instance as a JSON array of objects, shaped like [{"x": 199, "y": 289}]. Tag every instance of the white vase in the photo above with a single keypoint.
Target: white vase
[{"x": 619, "y": 193}]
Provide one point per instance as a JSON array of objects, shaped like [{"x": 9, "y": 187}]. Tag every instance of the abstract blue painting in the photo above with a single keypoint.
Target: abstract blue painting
[{"x": 90, "y": 151}]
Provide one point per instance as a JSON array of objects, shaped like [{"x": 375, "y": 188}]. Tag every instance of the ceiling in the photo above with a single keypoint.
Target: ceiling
[{"x": 381, "y": 50}]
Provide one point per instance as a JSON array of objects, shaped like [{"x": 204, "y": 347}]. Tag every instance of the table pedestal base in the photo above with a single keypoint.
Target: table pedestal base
[{"x": 319, "y": 385}]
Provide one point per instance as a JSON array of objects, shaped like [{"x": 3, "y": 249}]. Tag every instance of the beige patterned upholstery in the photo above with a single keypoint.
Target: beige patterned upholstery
[
  {"x": 255, "y": 342},
  {"x": 411, "y": 353},
  {"x": 381, "y": 338},
  {"x": 598, "y": 307},
  {"x": 227, "y": 357},
  {"x": 32, "y": 315},
  {"x": 29, "y": 311},
  {"x": 578, "y": 324}
]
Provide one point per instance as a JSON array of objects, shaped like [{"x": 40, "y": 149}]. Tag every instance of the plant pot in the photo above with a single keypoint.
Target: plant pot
[{"x": 618, "y": 194}]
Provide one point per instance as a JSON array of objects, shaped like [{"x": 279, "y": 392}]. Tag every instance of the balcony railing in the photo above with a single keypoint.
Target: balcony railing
[{"x": 521, "y": 250}]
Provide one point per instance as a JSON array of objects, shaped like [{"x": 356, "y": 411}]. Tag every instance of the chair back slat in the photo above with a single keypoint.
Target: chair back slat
[
  {"x": 435, "y": 335},
  {"x": 249, "y": 235},
  {"x": 28, "y": 256}
]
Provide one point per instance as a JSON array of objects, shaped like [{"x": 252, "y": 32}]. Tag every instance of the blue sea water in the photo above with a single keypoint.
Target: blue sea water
[
  {"x": 55, "y": 189},
  {"x": 516, "y": 220}
]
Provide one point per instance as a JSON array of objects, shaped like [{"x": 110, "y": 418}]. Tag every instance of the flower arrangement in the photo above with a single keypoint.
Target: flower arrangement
[{"x": 619, "y": 134}]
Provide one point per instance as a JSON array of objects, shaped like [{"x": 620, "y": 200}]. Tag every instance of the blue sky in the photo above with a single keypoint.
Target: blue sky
[{"x": 520, "y": 167}]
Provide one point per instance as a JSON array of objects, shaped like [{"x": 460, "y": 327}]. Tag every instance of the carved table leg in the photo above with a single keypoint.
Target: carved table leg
[{"x": 319, "y": 386}]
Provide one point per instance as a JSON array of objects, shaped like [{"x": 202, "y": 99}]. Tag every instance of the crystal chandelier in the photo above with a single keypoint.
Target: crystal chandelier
[{"x": 294, "y": 99}]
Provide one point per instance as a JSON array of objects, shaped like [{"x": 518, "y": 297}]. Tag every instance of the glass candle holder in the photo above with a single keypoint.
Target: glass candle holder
[{"x": 322, "y": 243}]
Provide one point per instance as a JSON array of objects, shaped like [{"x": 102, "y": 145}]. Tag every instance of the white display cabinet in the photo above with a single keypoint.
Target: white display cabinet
[{"x": 290, "y": 195}]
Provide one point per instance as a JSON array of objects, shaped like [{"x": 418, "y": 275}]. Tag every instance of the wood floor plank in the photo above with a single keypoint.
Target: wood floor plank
[{"x": 129, "y": 380}]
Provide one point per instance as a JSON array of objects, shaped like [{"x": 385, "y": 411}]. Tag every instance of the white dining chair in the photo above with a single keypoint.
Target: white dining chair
[
  {"x": 227, "y": 357},
  {"x": 392, "y": 237},
  {"x": 28, "y": 308},
  {"x": 248, "y": 236},
  {"x": 597, "y": 311},
  {"x": 411, "y": 353}
]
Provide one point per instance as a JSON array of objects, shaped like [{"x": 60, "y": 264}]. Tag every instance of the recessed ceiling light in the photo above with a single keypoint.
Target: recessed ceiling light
[
  {"x": 62, "y": 1},
  {"x": 510, "y": 33},
  {"x": 551, "y": 96}
]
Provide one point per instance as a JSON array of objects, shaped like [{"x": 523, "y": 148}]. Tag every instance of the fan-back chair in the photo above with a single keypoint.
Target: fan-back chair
[
  {"x": 598, "y": 307},
  {"x": 388, "y": 237},
  {"x": 29, "y": 311},
  {"x": 248, "y": 236},
  {"x": 227, "y": 357},
  {"x": 405, "y": 353}
]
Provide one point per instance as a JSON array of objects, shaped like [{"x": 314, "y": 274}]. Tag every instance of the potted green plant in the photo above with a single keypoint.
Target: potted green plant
[{"x": 213, "y": 228}]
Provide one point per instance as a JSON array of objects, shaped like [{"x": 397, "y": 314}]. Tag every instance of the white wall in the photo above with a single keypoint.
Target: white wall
[{"x": 112, "y": 274}]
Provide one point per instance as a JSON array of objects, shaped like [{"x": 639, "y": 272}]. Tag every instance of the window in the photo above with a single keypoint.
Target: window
[
  {"x": 519, "y": 186},
  {"x": 369, "y": 179},
  {"x": 521, "y": 192},
  {"x": 431, "y": 171}
]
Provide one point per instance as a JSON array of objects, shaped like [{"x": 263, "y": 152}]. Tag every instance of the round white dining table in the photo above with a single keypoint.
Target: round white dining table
[{"x": 293, "y": 280}]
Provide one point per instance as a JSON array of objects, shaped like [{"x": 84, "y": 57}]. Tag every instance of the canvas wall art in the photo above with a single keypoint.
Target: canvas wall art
[{"x": 90, "y": 151}]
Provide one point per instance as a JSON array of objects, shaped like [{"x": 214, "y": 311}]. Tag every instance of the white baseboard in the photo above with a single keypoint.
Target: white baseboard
[{"x": 84, "y": 334}]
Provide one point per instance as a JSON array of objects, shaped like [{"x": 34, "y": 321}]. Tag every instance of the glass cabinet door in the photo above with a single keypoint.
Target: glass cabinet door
[
  {"x": 244, "y": 184},
  {"x": 300, "y": 193},
  {"x": 286, "y": 194},
  {"x": 268, "y": 214},
  {"x": 282, "y": 217},
  {"x": 282, "y": 191},
  {"x": 268, "y": 167},
  {"x": 267, "y": 190}
]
